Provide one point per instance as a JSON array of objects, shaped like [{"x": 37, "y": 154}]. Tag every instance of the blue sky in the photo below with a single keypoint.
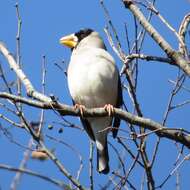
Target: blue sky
[{"x": 43, "y": 23}]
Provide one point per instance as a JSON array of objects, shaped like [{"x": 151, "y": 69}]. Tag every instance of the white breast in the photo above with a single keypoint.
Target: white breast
[{"x": 93, "y": 77}]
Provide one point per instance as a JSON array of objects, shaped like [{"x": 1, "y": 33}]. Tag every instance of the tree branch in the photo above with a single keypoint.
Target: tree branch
[
  {"x": 177, "y": 57},
  {"x": 182, "y": 32},
  {"x": 29, "y": 172},
  {"x": 21, "y": 75},
  {"x": 149, "y": 58},
  {"x": 177, "y": 135}
]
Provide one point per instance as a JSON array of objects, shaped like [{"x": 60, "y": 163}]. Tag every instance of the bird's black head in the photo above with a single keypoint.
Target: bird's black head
[{"x": 81, "y": 34}]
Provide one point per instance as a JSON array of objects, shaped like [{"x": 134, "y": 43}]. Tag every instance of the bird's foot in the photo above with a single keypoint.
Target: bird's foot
[
  {"x": 81, "y": 108},
  {"x": 109, "y": 108}
]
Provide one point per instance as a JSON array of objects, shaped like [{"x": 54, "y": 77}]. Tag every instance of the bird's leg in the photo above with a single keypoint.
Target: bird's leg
[
  {"x": 109, "y": 108},
  {"x": 81, "y": 108}
]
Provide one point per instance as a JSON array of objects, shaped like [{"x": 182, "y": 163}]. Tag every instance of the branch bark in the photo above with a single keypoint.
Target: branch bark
[
  {"x": 182, "y": 32},
  {"x": 176, "y": 56},
  {"x": 21, "y": 75},
  {"x": 177, "y": 135}
]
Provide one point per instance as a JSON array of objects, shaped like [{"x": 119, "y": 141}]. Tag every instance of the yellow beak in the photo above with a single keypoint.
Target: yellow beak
[{"x": 69, "y": 41}]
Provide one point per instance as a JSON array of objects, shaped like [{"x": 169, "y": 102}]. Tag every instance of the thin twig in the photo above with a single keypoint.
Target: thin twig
[
  {"x": 118, "y": 43},
  {"x": 43, "y": 92},
  {"x": 179, "y": 59},
  {"x": 187, "y": 157},
  {"x": 129, "y": 151},
  {"x": 177, "y": 180},
  {"x": 91, "y": 165},
  {"x": 119, "y": 158},
  {"x": 61, "y": 167},
  {"x": 11, "y": 121},
  {"x": 182, "y": 33},
  {"x": 154, "y": 10},
  {"x": 73, "y": 149},
  {"x": 18, "y": 53},
  {"x": 23, "y": 163},
  {"x": 21, "y": 75},
  {"x": 177, "y": 87},
  {"x": 35, "y": 174}
]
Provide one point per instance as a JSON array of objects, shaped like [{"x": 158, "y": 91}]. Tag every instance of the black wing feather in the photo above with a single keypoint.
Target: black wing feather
[
  {"x": 117, "y": 120},
  {"x": 86, "y": 126}
]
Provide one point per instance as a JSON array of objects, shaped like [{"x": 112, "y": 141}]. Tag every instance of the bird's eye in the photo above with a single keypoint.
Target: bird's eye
[{"x": 83, "y": 33}]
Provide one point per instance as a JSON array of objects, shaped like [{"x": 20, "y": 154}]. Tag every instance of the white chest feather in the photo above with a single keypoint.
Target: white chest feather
[{"x": 93, "y": 78}]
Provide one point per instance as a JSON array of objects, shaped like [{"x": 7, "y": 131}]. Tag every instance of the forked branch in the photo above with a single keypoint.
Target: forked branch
[{"x": 176, "y": 56}]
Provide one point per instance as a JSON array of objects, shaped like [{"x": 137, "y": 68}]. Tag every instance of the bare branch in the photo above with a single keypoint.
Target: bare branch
[
  {"x": 179, "y": 60},
  {"x": 182, "y": 32},
  {"x": 187, "y": 157},
  {"x": 61, "y": 167},
  {"x": 73, "y": 149},
  {"x": 162, "y": 131},
  {"x": 24, "y": 100},
  {"x": 43, "y": 92},
  {"x": 20, "y": 74},
  {"x": 18, "y": 54},
  {"x": 91, "y": 165},
  {"x": 10, "y": 121},
  {"x": 111, "y": 25},
  {"x": 121, "y": 163},
  {"x": 23, "y": 163},
  {"x": 181, "y": 42},
  {"x": 149, "y": 58},
  {"x": 35, "y": 174}
]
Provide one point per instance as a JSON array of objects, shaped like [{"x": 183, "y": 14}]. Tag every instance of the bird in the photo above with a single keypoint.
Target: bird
[{"x": 94, "y": 81}]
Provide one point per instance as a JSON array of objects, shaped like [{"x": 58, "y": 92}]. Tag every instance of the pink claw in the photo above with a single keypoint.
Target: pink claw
[{"x": 109, "y": 108}]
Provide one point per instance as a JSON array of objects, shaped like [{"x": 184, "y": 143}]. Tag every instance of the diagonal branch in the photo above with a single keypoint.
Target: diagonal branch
[
  {"x": 35, "y": 174},
  {"x": 183, "y": 30},
  {"x": 176, "y": 56},
  {"x": 21, "y": 75}
]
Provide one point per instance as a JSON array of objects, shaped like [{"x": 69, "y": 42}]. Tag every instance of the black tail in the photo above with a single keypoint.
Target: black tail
[{"x": 103, "y": 160}]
